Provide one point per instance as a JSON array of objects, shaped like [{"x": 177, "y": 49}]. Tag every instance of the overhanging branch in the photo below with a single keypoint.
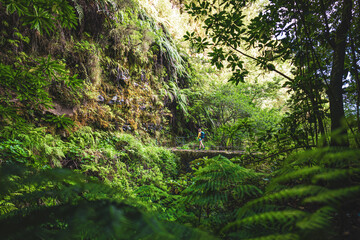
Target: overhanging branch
[{"x": 257, "y": 60}]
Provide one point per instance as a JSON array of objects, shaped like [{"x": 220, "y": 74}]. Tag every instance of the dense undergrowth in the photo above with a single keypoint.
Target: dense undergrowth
[
  {"x": 91, "y": 89},
  {"x": 311, "y": 193}
]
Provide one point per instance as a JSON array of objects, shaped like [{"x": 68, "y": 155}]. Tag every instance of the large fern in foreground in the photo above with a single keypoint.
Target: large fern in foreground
[
  {"x": 218, "y": 189},
  {"x": 314, "y": 196},
  {"x": 58, "y": 204}
]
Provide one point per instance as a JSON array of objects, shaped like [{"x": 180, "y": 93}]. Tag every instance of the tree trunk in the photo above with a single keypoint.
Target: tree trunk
[
  {"x": 337, "y": 114},
  {"x": 357, "y": 82}
]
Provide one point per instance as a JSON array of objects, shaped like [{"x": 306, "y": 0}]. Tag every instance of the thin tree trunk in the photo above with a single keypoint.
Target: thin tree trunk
[
  {"x": 337, "y": 113},
  {"x": 357, "y": 81}
]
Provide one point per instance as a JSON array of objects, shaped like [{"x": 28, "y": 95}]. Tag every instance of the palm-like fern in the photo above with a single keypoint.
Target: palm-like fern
[
  {"x": 220, "y": 181},
  {"x": 314, "y": 196},
  {"x": 219, "y": 187}
]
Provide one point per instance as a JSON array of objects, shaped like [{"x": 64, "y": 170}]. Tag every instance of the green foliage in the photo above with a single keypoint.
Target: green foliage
[
  {"x": 121, "y": 160},
  {"x": 157, "y": 200},
  {"x": 14, "y": 151},
  {"x": 283, "y": 31},
  {"x": 174, "y": 61},
  {"x": 177, "y": 95},
  {"x": 58, "y": 203},
  {"x": 42, "y": 15},
  {"x": 31, "y": 146},
  {"x": 218, "y": 187},
  {"x": 59, "y": 121},
  {"x": 150, "y": 193},
  {"x": 30, "y": 86},
  {"x": 234, "y": 116},
  {"x": 224, "y": 25},
  {"x": 28, "y": 82},
  {"x": 219, "y": 181},
  {"x": 311, "y": 194},
  {"x": 85, "y": 49},
  {"x": 150, "y": 155}
]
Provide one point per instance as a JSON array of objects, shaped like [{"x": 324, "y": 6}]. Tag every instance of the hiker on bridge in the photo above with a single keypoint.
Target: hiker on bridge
[{"x": 201, "y": 136}]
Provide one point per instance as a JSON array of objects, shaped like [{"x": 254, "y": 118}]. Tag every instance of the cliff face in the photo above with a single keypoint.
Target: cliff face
[{"x": 110, "y": 66}]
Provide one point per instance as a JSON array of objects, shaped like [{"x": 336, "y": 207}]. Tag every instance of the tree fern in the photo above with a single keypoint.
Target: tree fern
[
  {"x": 219, "y": 180},
  {"x": 217, "y": 188}
]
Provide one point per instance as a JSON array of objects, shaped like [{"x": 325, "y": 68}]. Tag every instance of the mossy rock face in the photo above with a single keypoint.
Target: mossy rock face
[{"x": 117, "y": 70}]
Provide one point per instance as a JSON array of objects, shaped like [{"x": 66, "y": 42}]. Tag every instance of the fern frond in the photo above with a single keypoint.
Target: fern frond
[
  {"x": 285, "y": 219},
  {"x": 334, "y": 175},
  {"x": 297, "y": 174},
  {"x": 282, "y": 196},
  {"x": 209, "y": 198},
  {"x": 240, "y": 191},
  {"x": 321, "y": 219},
  {"x": 238, "y": 173},
  {"x": 340, "y": 159},
  {"x": 308, "y": 158},
  {"x": 219, "y": 180},
  {"x": 79, "y": 10},
  {"x": 150, "y": 193},
  {"x": 326, "y": 157},
  {"x": 318, "y": 183},
  {"x": 6, "y": 207},
  {"x": 334, "y": 196}
]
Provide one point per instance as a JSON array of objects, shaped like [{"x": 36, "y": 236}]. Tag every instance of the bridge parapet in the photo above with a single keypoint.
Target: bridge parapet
[{"x": 189, "y": 155}]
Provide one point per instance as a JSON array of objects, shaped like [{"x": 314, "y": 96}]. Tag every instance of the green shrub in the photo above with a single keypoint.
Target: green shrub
[{"x": 32, "y": 146}]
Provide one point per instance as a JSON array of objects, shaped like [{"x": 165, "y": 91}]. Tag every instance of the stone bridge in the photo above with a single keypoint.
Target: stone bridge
[
  {"x": 189, "y": 155},
  {"x": 186, "y": 156}
]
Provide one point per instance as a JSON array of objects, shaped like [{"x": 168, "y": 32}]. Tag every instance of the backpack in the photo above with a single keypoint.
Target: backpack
[{"x": 202, "y": 134}]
